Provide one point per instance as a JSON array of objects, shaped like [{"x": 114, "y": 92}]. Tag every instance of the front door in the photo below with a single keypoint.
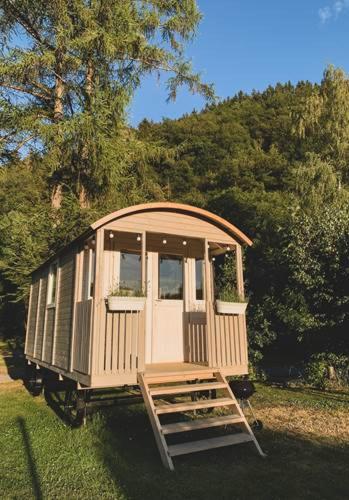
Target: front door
[{"x": 165, "y": 308}]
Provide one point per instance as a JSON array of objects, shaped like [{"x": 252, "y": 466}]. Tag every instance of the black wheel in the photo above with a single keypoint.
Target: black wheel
[
  {"x": 75, "y": 407},
  {"x": 33, "y": 380},
  {"x": 257, "y": 425}
]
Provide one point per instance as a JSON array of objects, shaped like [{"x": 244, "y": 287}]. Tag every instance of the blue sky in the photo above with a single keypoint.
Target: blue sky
[{"x": 250, "y": 44}]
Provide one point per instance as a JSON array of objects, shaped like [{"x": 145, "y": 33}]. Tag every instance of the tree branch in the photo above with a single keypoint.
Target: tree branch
[
  {"x": 25, "y": 91},
  {"x": 27, "y": 25}
]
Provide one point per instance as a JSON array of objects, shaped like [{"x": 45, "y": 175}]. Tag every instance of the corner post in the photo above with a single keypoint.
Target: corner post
[{"x": 239, "y": 272}]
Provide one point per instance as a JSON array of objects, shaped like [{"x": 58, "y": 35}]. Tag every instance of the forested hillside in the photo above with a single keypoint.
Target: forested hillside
[{"x": 275, "y": 163}]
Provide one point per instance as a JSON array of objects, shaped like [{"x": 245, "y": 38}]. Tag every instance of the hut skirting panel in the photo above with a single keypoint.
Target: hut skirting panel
[
  {"x": 227, "y": 341},
  {"x": 82, "y": 336},
  {"x": 121, "y": 347}
]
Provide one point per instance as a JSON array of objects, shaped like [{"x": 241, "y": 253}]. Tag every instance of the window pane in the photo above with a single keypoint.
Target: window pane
[
  {"x": 170, "y": 277},
  {"x": 52, "y": 284},
  {"x": 199, "y": 282},
  {"x": 130, "y": 271}
]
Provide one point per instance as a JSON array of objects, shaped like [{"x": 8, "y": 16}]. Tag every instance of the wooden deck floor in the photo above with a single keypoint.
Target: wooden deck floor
[{"x": 173, "y": 368}]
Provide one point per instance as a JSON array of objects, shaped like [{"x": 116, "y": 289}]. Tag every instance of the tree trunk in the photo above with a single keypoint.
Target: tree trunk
[{"x": 56, "y": 197}]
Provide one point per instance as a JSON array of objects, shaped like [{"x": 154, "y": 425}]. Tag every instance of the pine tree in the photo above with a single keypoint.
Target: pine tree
[{"x": 68, "y": 71}]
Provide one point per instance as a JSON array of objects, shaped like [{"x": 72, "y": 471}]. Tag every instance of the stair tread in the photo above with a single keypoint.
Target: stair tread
[
  {"x": 201, "y": 423},
  {"x": 207, "y": 444},
  {"x": 180, "y": 389},
  {"x": 194, "y": 405}
]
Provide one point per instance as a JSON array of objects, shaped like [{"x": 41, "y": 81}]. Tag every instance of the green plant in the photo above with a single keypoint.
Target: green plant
[
  {"x": 115, "y": 291},
  {"x": 228, "y": 293},
  {"x": 326, "y": 369}
]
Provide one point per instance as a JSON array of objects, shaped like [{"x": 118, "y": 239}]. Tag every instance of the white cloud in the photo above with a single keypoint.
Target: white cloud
[{"x": 325, "y": 13}]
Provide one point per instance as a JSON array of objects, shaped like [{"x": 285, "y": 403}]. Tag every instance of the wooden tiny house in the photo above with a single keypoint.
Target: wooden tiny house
[{"x": 164, "y": 253}]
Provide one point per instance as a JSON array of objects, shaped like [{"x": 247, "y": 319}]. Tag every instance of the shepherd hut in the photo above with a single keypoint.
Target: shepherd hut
[{"x": 133, "y": 302}]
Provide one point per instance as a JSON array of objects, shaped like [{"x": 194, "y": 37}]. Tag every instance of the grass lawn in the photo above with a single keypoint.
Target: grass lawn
[{"x": 306, "y": 436}]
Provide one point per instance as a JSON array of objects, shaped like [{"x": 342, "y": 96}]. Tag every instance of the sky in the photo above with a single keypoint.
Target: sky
[{"x": 250, "y": 44}]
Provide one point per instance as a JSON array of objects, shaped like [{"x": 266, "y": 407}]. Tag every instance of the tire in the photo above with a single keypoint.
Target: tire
[
  {"x": 75, "y": 407},
  {"x": 34, "y": 381}
]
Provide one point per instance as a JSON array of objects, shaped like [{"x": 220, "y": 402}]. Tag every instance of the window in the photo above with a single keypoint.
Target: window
[
  {"x": 199, "y": 279},
  {"x": 170, "y": 277},
  {"x": 52, "y": 284},
  {"x": 130, "y": 271},
  {"x": 91, "y": 277}
]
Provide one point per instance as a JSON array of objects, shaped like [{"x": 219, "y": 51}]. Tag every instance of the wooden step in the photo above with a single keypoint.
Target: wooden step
[
  {"x": 201, "y": 423},
  {"x": 207, "y": 444},
  {"x": 181, "y": 389},
  {"x": 164, "y": 378},
  {"x": 193, "y": 405}
]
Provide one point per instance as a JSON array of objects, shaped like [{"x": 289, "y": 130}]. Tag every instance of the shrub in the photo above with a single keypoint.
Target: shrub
[{"x": 326, "y": 369}]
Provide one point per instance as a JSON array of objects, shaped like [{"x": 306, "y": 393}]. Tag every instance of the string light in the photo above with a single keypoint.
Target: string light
[
  {"x": 184, "y": 242},
  {"x": 111, "y": 234},
  {"x": 228, "y": 248},
  {"x": 213, "y": 259},
  {"x": 139, "y": 237},
  {"x": 164, "y": 241}
]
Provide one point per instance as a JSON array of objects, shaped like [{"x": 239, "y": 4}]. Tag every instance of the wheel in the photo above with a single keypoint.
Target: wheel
[
  {"x": 75, "y": 407},
  {"x": 257, "y": 425},
  {"x": 33, "y": 380}
]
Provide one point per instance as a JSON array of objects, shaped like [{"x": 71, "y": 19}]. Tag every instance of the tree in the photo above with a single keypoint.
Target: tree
[
  {"x": 68, "y": 70},
  {"x": 325, "y": 118}
]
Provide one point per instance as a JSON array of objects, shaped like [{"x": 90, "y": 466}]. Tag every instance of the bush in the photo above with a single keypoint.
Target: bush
[{"x": 327, "y": 369}]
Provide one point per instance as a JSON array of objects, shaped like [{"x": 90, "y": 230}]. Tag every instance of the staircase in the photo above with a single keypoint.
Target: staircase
[{"x": 161, "y": 392}]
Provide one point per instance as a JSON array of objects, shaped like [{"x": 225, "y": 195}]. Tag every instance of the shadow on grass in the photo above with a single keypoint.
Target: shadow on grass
[
  {"x": 13, "y": 356},
  {"x": 295, "y": 467},
  {"x": 339, "y": 396},
  {"x": 30, "y": 459}
]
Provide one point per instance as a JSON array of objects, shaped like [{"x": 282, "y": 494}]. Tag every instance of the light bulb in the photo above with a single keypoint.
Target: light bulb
[
  {"x": 213, "y": 259},
  {"x": 164, "y": 241},
  {"x": 139, "y": 237},
  {"x": 111, "y": 234},
  {"x": 184, "y": 242}
]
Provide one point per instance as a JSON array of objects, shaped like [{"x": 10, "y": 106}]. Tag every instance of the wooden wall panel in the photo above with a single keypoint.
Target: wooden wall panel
[
  {"x": 30, "y": 338},
  {"x": 195, "y": 337},
  {"x": 48, "y": 334},
  {"x": 82, "y": 335},
  {"x": 64, "y": 310},
  {"x": 122, "y": 344},
  {"x": 41, "y": 317}
]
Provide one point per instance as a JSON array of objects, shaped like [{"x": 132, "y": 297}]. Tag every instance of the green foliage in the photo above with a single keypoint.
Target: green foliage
[
  {"x": 65, "y": 89},
  {"x": 317, "y": 371}
]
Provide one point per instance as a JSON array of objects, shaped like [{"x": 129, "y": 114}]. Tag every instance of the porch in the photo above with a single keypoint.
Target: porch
[{"x": 179, "y": 330}]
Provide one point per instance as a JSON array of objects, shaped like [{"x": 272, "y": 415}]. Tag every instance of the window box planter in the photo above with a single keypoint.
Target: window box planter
[
  {"x": 231, "y": 307},
  {"x": 116, "y": 303}
]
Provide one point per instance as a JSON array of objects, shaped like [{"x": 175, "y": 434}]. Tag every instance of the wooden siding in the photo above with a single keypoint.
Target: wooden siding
[
  {"x": 228, "y": 340},
  {"x": 195, "y": 338},
  {"x": 121, "y": 346},
  {"x": 82, "y": 336},
  {"x": 41, "y": 317},
  {"x": 34, "y": 297},
  {"x": 170, "y": 223},
  {"x": 64, "y": 311},
  {"x": 48, "y": 335}
]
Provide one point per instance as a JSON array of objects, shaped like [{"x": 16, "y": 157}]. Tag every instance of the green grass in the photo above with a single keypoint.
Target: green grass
[{"x": 306, "y": 437}]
